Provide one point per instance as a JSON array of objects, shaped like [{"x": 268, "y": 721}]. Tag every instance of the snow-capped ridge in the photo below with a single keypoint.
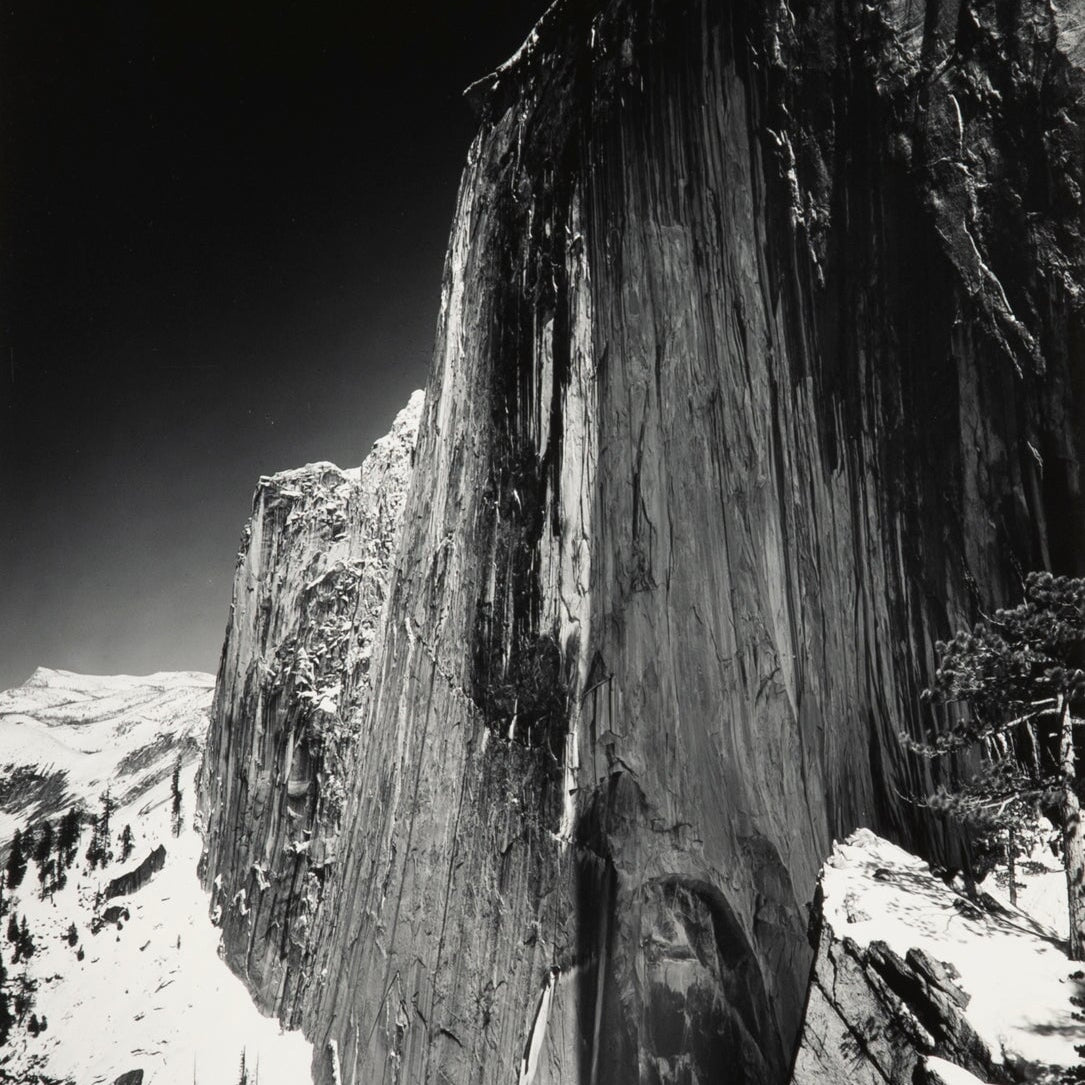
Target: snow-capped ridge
[
  {"x": 58, "y": 678},
  {"x": 65, "y": 737}
]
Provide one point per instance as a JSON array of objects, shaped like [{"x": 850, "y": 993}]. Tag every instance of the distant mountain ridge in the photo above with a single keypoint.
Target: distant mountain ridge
[{"x": 65, "y": 737}]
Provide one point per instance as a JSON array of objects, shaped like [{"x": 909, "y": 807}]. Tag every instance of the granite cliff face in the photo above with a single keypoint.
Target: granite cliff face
[
  {"x": 310, "y": 584},
  {"x": 754, "y": 371}
]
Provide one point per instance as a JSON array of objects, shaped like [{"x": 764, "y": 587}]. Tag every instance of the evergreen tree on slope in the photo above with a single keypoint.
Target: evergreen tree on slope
[{"x": 1013, "y": 689}]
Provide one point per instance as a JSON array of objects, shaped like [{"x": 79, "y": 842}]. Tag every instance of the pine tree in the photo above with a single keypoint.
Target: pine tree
[
  {"x": 25, "y": 947},
  {"x": 100, "y": 851},
  {"x": 72, "y": 935},
  {"x": 43, "y": 850},
  {"x": 127, "y": 843},
  {"x": 6, "y": 1018},
  {"x": 94, "y": 847},
  {"x": 1009, "y": 689},
  {"x": 13, "y": 928},
  {"x": 68, "y": 837},
  {"x": 16, "y": 864},
  {"x": 47, "y": 877},
  {"x": 103, "y": 826}
]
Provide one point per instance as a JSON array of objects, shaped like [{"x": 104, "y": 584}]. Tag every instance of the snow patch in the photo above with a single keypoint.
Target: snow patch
[{"x": 949, "y": 1073}]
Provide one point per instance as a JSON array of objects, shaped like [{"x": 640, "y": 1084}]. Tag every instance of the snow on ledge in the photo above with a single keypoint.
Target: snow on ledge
[
  {"x": 1014, "y": 968},
  {"x": 949, "y": 1073}
]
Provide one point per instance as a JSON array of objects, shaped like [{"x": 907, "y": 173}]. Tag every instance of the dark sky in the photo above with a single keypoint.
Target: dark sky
[{"x": 223, "y": 230}]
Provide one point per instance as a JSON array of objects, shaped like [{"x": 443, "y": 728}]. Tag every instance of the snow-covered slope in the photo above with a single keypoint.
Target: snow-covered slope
[
  {"x": 64, "y": 737},
  {"x": 913, "y": 978},
  {"x": 151, "y": 992},
  {"x": 141, "y": 987}
]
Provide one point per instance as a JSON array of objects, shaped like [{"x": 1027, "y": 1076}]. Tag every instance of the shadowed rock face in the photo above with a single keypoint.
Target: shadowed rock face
[
  {"x": 753, "y": 372},
  {"x": 134, "y": 880},
  {"x": 311, "y": 580}
]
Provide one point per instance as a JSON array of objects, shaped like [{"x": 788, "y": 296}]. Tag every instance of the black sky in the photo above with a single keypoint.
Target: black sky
[{"x": 223, "y": 230}]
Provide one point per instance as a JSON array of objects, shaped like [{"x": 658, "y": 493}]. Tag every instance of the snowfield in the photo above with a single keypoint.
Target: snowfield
[
  {"x": 151, "y": 992},
  {"x": 1012, "y": 965},
  {"x": 65, "y": 736}
]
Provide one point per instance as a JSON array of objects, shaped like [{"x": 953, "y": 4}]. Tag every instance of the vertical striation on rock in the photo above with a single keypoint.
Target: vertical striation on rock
[
  {"x": 754, "y": 368},
  {"x": 310, "y": 585}
]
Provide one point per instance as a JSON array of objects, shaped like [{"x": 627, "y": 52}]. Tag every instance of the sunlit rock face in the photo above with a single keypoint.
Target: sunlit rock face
[
  {"x": 311, "y": 581},
  {"x": 753, "y": 375}
]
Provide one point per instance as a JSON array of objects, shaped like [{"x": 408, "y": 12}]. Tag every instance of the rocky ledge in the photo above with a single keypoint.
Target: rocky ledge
[{"x": 916, "y": 984}]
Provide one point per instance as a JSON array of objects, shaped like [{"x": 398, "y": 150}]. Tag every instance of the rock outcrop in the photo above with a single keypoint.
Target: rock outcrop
[
  {"x": 135, "y": 879},
  {"x": 311, "y": 580},
  {"x": 910, "y": 975},
  {"x": 753, "y": 375}
]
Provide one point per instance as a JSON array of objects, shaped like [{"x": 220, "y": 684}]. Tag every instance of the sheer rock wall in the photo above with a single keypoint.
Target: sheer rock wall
[
  {"x": 754, "y": 372},
  {"x": 311, "y": 580}
]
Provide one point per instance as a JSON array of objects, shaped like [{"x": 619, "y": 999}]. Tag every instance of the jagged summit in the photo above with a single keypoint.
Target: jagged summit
[
  {"x": 404, "y": 427},
  {"x": 407, "y": 419},
  {"x": 485, "y": 89},
  {"x": 318, "y": 467}
]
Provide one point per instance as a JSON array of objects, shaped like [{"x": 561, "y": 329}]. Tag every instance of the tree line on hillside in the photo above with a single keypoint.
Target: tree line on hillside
[{"x": 53, "y": 849}]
